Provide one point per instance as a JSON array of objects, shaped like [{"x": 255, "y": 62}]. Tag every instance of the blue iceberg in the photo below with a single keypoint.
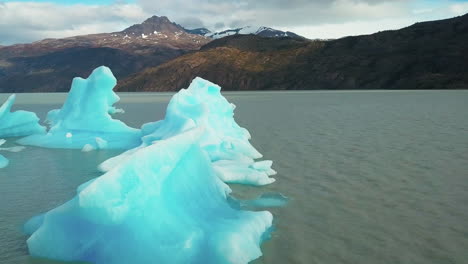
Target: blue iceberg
[
  {"x": 85, "y": 120},
  {"x": 225, "y": 142},
  {"x": 4, "y": 161},
  {"x": 163, "y": 204},
  {"x": 18, "y": 123}
]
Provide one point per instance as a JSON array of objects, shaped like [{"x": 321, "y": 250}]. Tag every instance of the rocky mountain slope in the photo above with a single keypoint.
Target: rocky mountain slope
[
  {"x": 428, "y": 55},
  {"x": 50, "y": 64}
]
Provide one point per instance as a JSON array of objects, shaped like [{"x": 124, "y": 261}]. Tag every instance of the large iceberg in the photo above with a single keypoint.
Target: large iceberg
[
  {"x": 18, "y": 123},
  {"x": 163, "y": 204},
  {"x": 85, "y": 120},
  {"x": 227, "y": 144}
]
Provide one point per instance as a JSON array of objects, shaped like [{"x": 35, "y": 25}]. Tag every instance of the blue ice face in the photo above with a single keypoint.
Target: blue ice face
[
  {"x": 164, "y": 204},
  {"x": 19, "y": 123},
  {"x": 85, "y": 118},
  {"x": 225, "y": 142}
]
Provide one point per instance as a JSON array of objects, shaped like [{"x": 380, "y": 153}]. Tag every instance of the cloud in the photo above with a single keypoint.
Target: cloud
[
  {"x": 278, "y": 12},
  {"x": 190, "y": 22},
  {"x": 459, "y": 9},
  {"x": 29, "y": 21},
  {"x": 219, "y": 25}
]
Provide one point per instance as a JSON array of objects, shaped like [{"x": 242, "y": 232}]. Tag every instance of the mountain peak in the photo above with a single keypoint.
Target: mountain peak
[
  {"x": 157, "y": 20},
  {"x": 154, "y": 24}
]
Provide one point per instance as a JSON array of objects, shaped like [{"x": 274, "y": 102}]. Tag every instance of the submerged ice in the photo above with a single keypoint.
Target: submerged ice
[
  {"x": 85, "y": 120},
  {"x": 18, "y": 123},
  {"x": 225, "y": 142},
  {"x": 163, "y": 204}
]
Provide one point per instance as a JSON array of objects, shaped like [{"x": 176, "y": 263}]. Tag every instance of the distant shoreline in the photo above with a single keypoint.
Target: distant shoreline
[{"x": 59, "y": 97}]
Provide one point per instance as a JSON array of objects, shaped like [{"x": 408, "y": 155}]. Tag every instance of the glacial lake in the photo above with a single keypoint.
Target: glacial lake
[{"x": 372, "y": 176}]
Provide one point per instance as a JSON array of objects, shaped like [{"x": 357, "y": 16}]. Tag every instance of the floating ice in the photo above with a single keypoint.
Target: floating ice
[
  {"x": 4, "y": 161},
  {"x": 164, "y": 204},
  {"x": 85, "y": 118},
  {"x": 227, "y": 144},
  {"x": 18, "y": 123}
]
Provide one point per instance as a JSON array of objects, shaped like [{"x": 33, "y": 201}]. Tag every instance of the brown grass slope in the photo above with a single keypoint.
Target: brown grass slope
[{"x": 429, "y": 55}]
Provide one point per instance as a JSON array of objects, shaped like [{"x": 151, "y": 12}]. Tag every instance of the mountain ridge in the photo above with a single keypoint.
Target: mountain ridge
[
  {"x": 29, "y": 67},
  {"x": 160, "y": 55},
  {"x": 426, "y": 55},
  {"x": 259, "y": 31}
]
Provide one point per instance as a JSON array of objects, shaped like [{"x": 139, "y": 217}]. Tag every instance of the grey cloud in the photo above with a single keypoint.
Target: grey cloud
[
  {"x": 219, "y": 25},
  {"x": 280, "y": 13},
  {"x": 191, "y": 22},
  {"x": 29, "y": 21},
  {"x": 237, "y": 23}
]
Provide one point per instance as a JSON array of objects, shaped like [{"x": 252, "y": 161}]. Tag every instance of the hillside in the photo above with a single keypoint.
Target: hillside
[
  {"x": 49, "y": 65},
  {"x": 428, "y": 55}
]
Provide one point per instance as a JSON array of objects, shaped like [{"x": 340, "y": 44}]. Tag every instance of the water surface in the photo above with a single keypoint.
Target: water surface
[{"x": 372, "y": 176}]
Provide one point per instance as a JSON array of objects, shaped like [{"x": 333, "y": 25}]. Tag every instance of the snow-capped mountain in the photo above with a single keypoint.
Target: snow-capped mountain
[
  {"x": 260, "y": 31},
  {"x": 198, "y": 31}
]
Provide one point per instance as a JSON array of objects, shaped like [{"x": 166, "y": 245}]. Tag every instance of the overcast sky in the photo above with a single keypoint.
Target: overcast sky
[{"x": 24, "y": 21}]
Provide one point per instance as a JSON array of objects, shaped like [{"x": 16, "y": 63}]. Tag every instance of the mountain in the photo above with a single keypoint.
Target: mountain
[
  {"x": 259, "y": 31},
  {"x": 50, "y": 64},
  {"x": 198, "y": 31},
  {"x": 428, "y": 55}
]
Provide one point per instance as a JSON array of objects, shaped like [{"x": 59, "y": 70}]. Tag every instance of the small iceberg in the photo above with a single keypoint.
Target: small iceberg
[
  {"x": 225, "y": 142},
  {"x": 4, "y": 161},
  {"x": 18, "y": 123},
  {"x": 85, "y": 120},
  {"x": 164, "y": 204}
]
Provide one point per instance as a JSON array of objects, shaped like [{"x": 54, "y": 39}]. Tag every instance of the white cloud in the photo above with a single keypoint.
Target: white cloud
[
  {"x": 386, "y": 17},
  {"x": 459, "y": 9},
  {"x": 332, "y": 31},
  {"x": 29, "y": 21}
]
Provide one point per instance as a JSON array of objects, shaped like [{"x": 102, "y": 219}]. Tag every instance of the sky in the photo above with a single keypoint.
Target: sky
[{"x": 24, "y": 21}]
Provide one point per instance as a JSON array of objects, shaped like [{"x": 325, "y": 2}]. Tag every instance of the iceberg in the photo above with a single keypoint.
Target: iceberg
[
  {"x": 164, "y": 204},
  {"x": 4, "y": 161},
  {"x": 225, "y": 142},
  {"x": 18, "y": 123},
  {"x": 85, "y": 118}
]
